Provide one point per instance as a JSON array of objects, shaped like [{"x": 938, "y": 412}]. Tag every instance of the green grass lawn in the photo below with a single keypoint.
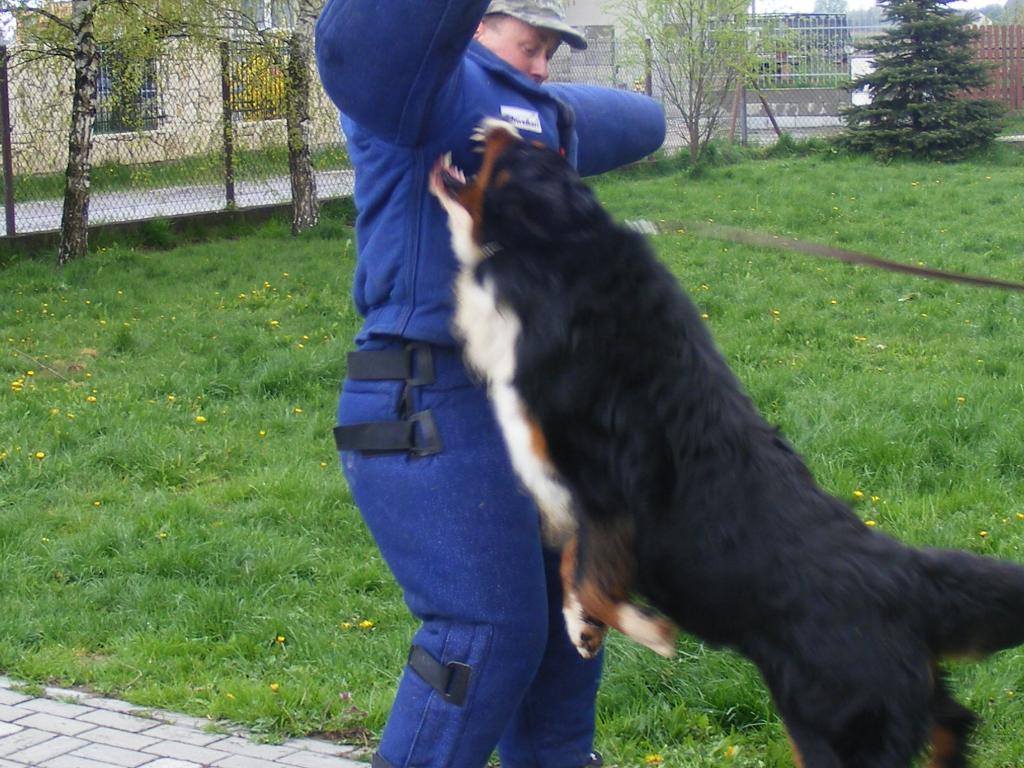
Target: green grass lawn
[{"x": 175, "y": 531}]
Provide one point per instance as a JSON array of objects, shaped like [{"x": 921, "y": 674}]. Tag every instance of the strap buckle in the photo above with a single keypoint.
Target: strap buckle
[{"x": 450, "y": 680}]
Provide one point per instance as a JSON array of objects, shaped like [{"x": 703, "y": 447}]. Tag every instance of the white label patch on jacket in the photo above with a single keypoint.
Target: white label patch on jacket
[{"x": 523, "y": 119}]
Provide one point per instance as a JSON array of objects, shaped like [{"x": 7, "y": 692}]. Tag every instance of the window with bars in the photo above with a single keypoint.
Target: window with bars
[
  {"x": 269, "y": 14},
  {"x": 127, "y": 96}
]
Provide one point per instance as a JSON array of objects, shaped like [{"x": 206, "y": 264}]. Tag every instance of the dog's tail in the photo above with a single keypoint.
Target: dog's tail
[{"x": 977, "y": 603}]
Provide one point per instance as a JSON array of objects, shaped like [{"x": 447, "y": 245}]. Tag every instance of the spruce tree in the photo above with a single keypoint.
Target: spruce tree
[{"x": 924, "y": 73}]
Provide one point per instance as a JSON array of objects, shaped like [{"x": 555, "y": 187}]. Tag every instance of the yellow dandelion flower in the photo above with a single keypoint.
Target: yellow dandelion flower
[
  {"x": 263, "y": 433},
  {"x": 366, "y": 624},
  {"x": 346, "y": 625},
  {"x": 97, "y": 503},
  {"x": 870, "y": 523},
  {"x": 874, "y": 499},
  {"x": 162, "y": 535},
  {"x": 3, "y": 455},
  {"x": 171, "y": 398},
  {"x": 40, "y": 455},
  {"x": 275, "y": 323},
  {"x": 279, "y": 639},
  {"x": 961, "y": 399},
  {"x": 200, "y": 419},
  {"x": 230, "y": 696},
  {"x": 983, "y": 534},
  {"x": 858, "y": 494},
  {"x": 275, "y": 687},
  {"x": 705, "y": 316},
  {"x": 731, "y": 751},
  {"x": 90, "y": 399},
  {"x": 1020, "y": 515},
  {"x": 654, "y": 760},
  {"x": 296, "y": 410},
  {"x": 30, "y": 373}
]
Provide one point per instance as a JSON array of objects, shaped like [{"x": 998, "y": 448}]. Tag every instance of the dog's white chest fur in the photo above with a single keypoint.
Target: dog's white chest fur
[{"x": 490, "y": 332}]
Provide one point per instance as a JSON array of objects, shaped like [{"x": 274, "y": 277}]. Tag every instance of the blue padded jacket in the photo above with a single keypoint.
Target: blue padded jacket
[{"x": 411, "y": 85}]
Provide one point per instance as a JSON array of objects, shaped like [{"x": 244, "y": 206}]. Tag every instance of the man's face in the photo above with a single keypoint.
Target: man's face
[{"x": 525, "y": 47}]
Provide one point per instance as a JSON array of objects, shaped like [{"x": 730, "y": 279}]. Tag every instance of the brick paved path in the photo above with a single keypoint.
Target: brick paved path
[{"x": 71, "y": 729}]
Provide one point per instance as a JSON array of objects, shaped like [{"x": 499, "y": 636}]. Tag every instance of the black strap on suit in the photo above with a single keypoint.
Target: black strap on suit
[{"x": 413, "y": 432}]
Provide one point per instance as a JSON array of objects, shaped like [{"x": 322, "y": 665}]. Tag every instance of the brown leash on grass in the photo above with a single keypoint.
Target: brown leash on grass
[{"x": 765, "y": 240}]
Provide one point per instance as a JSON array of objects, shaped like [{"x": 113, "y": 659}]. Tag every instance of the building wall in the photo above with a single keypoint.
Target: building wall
[
  {"x": 191, "y": 109},
  {"x": 585, "y": 13}
]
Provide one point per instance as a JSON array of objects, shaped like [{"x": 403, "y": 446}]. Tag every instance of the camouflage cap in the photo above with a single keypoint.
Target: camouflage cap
[{"x": 546, "y": 14}]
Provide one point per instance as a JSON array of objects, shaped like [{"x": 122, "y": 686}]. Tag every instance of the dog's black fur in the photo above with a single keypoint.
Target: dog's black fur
[{"x": 686, "y": 496}]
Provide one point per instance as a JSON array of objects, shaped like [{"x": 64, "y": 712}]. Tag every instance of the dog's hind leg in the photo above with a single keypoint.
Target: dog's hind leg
[
  {"x": 811, "y": 749},
  {"x": 596, "y": 597},
  {"x": 585, "y": 632},
  {"x": 952, "y": 723}
]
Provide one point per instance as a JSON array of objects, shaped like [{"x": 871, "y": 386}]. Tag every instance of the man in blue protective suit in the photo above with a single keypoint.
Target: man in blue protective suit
[{"x": 491, "y": 665}]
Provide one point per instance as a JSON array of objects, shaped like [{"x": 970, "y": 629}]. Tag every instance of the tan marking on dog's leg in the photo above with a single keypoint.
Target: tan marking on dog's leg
[
  {"x": 945, "y": 747},
  {"x": 652, "y": 631},
  {"x": 584, "y": 632}
]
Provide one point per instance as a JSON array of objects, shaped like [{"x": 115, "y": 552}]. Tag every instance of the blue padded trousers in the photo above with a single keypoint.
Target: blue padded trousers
[{"x": 463, "y": 541}]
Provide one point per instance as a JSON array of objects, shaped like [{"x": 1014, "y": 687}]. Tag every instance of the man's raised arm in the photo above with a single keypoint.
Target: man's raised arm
[{"x": 383, "y": 62}]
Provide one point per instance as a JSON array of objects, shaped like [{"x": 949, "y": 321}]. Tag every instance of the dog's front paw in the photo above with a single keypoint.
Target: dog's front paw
[
  {"x": 589, "y": 639},
  {"x": 584, "y": 632}
]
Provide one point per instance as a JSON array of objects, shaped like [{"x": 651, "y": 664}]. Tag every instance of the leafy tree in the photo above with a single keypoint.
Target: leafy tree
[
  {"x": 830, "y": 6},
  {"x": 132, "y": 33},
  {"x": 865, "y": 17},
  {"x": 924, "y": 72},
  {"x": 1013, "y": 12},
  {"x": 699, "y": 50}
]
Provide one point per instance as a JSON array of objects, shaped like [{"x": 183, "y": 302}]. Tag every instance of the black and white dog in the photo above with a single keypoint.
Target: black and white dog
[{"x": 654, "y": 470}]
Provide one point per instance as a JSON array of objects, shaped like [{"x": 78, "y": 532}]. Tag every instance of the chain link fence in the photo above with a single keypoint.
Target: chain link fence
[
  {"x": 160, "y": 146},
  {"x": 800, "y": 86}
]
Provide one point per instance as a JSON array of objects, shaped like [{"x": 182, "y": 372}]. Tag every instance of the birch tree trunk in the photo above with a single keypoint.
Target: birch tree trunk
[
  {"x": 74, "y": 235},
  {"x": 305, "y": 203}
]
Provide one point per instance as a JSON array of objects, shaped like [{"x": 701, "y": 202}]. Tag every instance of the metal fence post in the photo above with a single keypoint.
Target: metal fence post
[
  {"x": 5, "y": 130},
  {"x": 229, "y": 127}
]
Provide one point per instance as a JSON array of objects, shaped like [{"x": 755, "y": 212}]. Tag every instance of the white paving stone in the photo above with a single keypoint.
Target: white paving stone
[
  {"x": 185, "y": 735},
  {"x": 128, "y": 758},
  {"x": 98, "y": 732},
  {"x": 54, "y": 724},
  {"x": 74, "y": 761},
  {"x": 19, "y": 741},
  {"x": 115, "y": 705},
  {"x": 7, "y": 696},
  {"x": 244, "y": 761},
  {"x": 319, "y": 745},
  {"x": 183, "y": 751},
  {"x": 58, "y": 708},
  {"x": 239, "y": 746},
  {"x": 116, "y": 738},
  {"x": 307, "y": 760},
  {"x": 9, "y": 714},
  {"x": 46, "y": 750},
  {"x": 118, "y": 720}
]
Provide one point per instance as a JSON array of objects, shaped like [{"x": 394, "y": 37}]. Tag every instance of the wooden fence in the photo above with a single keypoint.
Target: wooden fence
[{"x": 1002, "y": 48}]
